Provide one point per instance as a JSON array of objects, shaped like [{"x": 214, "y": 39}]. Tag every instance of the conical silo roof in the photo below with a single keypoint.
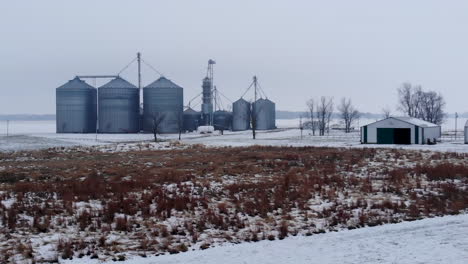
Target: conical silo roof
[
  {"x": 241, "y": 101},
  {"x": 163, "y": 82},
  {"x": 76, "y": 83},
  {"x": 118, "y": 83},
  {"x": 190, "y": 111}
]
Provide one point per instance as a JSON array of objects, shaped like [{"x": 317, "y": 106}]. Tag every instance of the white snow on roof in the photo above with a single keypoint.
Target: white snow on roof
[{"x": 416, "y": 121}]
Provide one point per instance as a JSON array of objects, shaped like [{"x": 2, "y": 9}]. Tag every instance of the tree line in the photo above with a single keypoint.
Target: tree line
[{"x": 413, "y": 101}]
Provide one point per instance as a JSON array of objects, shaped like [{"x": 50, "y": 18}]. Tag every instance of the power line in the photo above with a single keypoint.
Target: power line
[
  {"x": 262, "y": 91},
  {"x": 152, "y": 68},
  {"x": 126, "y": 67},
  {"x": 247, "y": 90}
]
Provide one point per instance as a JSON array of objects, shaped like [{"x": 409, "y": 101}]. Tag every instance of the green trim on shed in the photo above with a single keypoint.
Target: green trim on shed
[
  {"x": 365, "y": 134},
  {"x": 385, "y": 135},
  {"x": 422, "y": 142},
  {"x": 416, "y": 135}
]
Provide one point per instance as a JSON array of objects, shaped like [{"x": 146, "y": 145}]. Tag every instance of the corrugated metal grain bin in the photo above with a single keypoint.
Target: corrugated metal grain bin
[
  {"x": 240, "y": 115},
  {"x": 222, "y": 120},
  {"x": 118, "y": 106},
  {"x": 163, "y": 104},
  {"x": 76, "y": 107},
  {"x": 265, "y": 114},
  {"x": 192, "y": 120}
]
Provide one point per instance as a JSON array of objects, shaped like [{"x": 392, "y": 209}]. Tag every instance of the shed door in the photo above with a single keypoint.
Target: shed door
[
  {"x": 393, "y": 136},
  {"x": 402, "y": 136},
  {"x": 385, "y": 135}
]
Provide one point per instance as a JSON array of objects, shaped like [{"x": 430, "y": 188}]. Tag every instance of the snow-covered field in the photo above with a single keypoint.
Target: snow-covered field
[
  {"x": 436, "y": 240},
  {"x": 429, "y": 241},
  {"x": 31, "y": 135}
]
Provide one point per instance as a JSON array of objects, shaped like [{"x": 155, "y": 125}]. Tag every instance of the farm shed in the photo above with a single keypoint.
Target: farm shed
[
  {"x": 466, "y": 132},
  {"x": 400, "y": 130}
]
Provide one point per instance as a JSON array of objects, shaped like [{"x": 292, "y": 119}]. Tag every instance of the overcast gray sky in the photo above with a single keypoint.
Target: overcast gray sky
[{"x": 298, "y": 49}]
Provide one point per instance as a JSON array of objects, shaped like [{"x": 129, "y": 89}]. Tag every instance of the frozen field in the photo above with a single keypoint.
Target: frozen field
[
  {"x": 30, "y": 135},
  {"x": 429, "y": 241}
]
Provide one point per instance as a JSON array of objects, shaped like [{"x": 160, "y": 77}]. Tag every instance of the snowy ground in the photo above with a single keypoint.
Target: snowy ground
[
  {"x": 438, "y": 240},
  {"x": 31, "y": 135},
  {"x": 429, "y": 241}
]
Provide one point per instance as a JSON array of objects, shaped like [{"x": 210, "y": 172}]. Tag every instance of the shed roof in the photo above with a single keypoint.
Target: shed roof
[
  {"x": 409, "y": 120},
  {"x": 416, "y": 121}
]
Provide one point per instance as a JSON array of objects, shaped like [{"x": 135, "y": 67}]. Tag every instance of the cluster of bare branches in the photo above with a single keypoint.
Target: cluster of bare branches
[
  {"x": 156, "y": 120},
  {"x": 386, "y": 112},
  {"x": 425, "y": 105},
  {"x": 348, "y": 113},
  {"x": 320, "y": 113}
]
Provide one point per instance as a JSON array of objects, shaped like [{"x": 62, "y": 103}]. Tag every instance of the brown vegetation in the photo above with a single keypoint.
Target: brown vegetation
[{"x": 222, "y": 194}]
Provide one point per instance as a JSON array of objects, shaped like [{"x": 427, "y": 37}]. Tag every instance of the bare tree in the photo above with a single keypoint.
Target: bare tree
[
  {"x": 415, "y": 102},
  {"x": 348, "y": 113},
  {"x": 156, "y": 119},
  {"x": 180, "y": 123},
  {"x": 409, "y": 99},
  {"x": 431, "y": 108},
  {"x": 324, "y": 113},
  {"x": 311, "y": 109},
  {"x": 329, "y": 114},
  {"x": 254, "y": 111},
  {"x": 301, "y": 125},
  {"x": 386, "y": 112}
]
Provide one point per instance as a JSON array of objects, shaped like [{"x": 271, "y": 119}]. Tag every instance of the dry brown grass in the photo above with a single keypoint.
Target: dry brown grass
[{"x": 220, "y": 189}]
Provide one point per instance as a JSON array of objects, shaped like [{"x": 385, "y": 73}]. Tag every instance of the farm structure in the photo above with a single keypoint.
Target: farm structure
[
  {"x": 466, "y": 132},
  {"x": 400, "y": 130}
]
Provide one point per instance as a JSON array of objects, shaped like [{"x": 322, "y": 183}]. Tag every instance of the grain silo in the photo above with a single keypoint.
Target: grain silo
[
  {"x": 163, "y": 106},
  {"x": 222, "y": 120},
  {"x": 272, "y": 114},
  {"x": 118, "y": 107},
  {"x": 76, "y": 107},
  {"x": 240, "y": 115},
  {"x": 207, "y": 102},
  {"x": 265, "y": 115},
  {"x": 192, "y": 120}
]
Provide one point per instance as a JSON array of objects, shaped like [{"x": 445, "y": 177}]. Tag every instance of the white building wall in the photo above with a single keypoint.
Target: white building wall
[
  {"x": 387, "y": 123},
  {"x": 466, "y": 135},
  {"x": 431, "y": 133}
]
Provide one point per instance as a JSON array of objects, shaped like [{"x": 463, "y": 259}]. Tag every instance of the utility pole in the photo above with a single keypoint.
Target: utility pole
[
  {"x": 215, "y": 95},
  {"x": 456, "y": 117},
  {"x": 139, "y": 72},
  {"x": 140, "y": 96},
  {"x": 301, "y": 127},
  {"x": 139, "y": 69},
  {"x": 254, "y": 114}
]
